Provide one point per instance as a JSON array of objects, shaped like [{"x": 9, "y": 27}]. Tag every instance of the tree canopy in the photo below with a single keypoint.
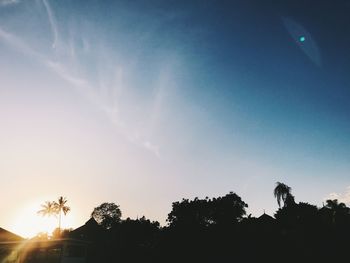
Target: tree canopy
[
  {"x": 107, "y": 214},
  {"x": 204, "y": 212}
]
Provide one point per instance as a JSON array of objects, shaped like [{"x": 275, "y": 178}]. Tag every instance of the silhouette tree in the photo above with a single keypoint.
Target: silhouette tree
[
  {"x": 336, "y": 206},
  {"x": 48, "y": 209},
  {"x": 136, "y": 234},
  {"x": 227, "y": 209},
  {"x": 189, "y": 213},
  {"x": 301, "y": 215},
  {"x": 282, "y": 192},
  {"x": 205, "y": 212},
  {"x": 217, "y": 229},
  {"x": 107, "y": 215},
  {"x": 61, "y": 207},
  {"x": 339, "y": 211}
]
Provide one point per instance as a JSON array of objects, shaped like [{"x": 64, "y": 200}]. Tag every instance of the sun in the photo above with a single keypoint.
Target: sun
[{"x": 28, "y": 223}]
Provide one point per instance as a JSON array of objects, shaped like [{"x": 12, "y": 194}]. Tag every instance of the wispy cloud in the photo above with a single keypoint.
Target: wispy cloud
[
  {"x": 110, "y": 109},
  {"x": 107, "y": 103},
  {"x": 342, "y": 197},
  {"x": 104, "y": 90},
  {"x": 17, "y": 44},
  {"x": 60, "y": 70},
  {"x": 153, "y": 148},
  {"x": 52, "y": 22},
  {"x": 8, "y": 2}
]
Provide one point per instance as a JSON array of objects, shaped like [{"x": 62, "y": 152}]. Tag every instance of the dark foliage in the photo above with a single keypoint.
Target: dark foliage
[
  {"x": 205, "y": 212},
  {"x": 217, "y": 230},
  {"x": 107, "y": 215}
]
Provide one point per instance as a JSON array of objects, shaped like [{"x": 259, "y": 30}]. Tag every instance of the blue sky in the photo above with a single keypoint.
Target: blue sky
[{"x": 143, "y": 103}]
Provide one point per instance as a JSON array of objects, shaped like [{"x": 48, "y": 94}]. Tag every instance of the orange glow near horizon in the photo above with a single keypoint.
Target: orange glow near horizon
[{"x": 27, "y": 223}]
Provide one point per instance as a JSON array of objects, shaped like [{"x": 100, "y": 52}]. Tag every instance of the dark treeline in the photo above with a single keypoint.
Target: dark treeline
[{"x": 218, "y": 230}]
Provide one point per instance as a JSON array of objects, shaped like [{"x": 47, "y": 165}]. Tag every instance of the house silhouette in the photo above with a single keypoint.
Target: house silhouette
[{"x": 7, "y": 236}]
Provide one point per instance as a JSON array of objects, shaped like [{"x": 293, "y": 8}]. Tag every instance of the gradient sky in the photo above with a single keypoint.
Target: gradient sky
[{"x": 143, "y": 103}]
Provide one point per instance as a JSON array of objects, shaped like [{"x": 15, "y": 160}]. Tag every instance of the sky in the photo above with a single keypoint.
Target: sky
[{"x": 143, "y": 103}]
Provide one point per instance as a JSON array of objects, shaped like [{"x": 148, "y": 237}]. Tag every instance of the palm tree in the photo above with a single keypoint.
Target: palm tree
[
  {"x": 60, "y": 207},
  {"x": 283, "y": 192},
  {"x": 48, "y": 209}
]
